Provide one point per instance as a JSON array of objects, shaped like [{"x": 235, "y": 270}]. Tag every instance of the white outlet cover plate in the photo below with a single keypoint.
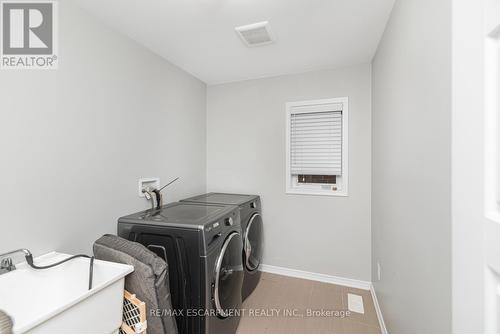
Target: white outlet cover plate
[
  {"x": 144, "y": 182},
  {"x": 355, "y": 303}
]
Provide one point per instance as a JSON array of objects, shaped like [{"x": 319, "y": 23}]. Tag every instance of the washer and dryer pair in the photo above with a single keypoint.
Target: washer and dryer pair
[
  {"x": 212, "y": 244},
  {"x": 252, "y": 232}
]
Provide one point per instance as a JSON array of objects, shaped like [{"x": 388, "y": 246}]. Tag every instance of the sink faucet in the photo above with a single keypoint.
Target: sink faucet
[{"x": 7, "y": 265}]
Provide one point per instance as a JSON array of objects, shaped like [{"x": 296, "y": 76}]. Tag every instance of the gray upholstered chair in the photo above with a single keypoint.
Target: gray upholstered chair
[{"x": 149, "y": 281}]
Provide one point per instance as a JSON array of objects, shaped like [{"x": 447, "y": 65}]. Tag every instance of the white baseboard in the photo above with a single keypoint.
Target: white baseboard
[
  {"x": 378, "y": 310},
  {"x": 353, "y": 283}
]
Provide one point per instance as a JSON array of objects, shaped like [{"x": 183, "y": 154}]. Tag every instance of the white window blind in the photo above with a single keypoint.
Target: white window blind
[{"x": 316, "y": 140}]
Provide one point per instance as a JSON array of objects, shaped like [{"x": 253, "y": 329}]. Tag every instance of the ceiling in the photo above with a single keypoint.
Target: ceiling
[{"x": 199, "y": 36}]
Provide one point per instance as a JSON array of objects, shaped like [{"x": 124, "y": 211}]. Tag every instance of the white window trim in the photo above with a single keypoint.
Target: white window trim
[{"x": 316, "y": 190}]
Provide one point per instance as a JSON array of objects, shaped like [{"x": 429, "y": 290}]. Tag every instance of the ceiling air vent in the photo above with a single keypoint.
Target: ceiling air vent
[{"x": 256, "y": 34}]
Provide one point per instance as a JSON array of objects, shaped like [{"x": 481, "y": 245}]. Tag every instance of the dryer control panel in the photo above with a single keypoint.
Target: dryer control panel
[{"x": 214, "y": 231}]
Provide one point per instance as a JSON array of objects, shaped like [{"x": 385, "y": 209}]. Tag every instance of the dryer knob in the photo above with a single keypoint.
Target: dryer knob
[{"x": 229, "y": 221}]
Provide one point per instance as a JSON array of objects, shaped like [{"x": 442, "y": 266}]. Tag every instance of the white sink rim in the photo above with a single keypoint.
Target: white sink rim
[{"x": 53, "y": 257}]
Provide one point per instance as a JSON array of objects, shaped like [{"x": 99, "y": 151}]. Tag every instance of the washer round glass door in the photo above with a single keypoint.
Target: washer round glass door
[
  {"x": 229, "y": 276},
  {"x": 253, "y": 242}
]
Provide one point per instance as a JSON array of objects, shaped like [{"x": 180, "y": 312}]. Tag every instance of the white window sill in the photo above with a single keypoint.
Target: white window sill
[{"x": 317, "y": 193}]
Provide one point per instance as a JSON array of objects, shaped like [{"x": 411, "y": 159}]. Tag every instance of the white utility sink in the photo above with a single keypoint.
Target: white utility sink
[{"x": 57, "y": 300}]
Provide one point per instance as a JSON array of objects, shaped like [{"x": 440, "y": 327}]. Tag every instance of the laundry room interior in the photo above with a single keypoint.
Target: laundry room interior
[{"x": 243, "y": 167}]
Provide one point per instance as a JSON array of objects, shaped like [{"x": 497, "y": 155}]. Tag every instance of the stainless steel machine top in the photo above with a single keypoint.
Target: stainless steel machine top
[
  {"x": 232, "y": 199},
  {"x": 181, "y": 214}
]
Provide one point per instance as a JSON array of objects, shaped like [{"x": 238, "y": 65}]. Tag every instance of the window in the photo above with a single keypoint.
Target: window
[{"x": 316, "y": 157}]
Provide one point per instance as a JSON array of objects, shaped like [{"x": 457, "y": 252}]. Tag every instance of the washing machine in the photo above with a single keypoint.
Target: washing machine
[
  {"x": 202, "y": 245},
  {"x": 252, "y": 231}
]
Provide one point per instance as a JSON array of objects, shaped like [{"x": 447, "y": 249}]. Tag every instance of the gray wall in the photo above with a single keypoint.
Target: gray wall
[
  {"x": 246, "y": 153},
  {"x": 411, "y": 209},
  {"x": 74, "y": 141}
]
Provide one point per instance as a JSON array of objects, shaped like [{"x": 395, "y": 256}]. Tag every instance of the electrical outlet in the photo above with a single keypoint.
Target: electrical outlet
[
  {"x": 379, "y": 271},
  {"x": 148, "y": 183}
]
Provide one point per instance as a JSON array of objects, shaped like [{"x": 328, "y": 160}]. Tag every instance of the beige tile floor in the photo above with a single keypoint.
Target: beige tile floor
[{"x": 297, "y": 295}]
